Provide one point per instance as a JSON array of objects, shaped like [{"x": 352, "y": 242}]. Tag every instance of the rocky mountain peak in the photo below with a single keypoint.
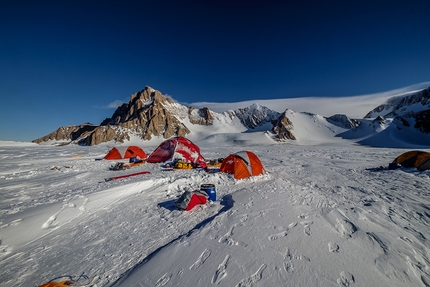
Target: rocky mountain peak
[
  {"x": 282, "y": 127},
  {"x": 148, "y": 113}
]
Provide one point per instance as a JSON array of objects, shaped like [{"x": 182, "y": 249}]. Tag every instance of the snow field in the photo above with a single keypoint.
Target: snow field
[{"x": 317, "y": 218}]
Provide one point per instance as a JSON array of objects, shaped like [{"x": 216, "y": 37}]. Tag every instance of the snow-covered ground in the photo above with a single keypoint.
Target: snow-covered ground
[{"x": 319, "y": 217}]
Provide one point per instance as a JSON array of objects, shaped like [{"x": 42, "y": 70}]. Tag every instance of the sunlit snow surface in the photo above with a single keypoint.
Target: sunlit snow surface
[{"x": 319, "y": 217}]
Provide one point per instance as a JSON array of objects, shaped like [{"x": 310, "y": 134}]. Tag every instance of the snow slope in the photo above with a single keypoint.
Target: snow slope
[
  {"x": 319, "y": 217},
  {"x": 352, "y": 106}
]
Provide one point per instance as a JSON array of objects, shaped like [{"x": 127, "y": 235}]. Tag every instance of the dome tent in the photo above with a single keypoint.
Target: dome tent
[
  {"x": 177, "y": 148},
  {"x": 413, "y": 159},
  {"x": 123, "y": 152},
  {"x": 242, "y": 164}
]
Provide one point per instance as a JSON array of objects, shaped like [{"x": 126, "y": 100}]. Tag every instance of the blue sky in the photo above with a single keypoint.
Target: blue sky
[{"x": 64, "y": 62}]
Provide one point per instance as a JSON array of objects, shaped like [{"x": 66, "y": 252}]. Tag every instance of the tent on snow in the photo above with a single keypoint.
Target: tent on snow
[
  {"x": 189, "y": 199},
  {"x": 242, "y": 164},
  {"x": 415, "y": 158},
  {"x": 123, "y": 152},
  {"x": 178, "y": 148}
]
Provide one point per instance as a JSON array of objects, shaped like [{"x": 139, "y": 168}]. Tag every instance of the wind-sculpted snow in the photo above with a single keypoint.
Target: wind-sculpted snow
[{"x": 321, "y": 216}]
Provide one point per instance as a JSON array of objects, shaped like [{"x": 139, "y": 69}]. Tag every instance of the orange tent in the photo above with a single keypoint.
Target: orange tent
[
  {"x": 415, "y": 158},
  {"x": 242, "y": 164},
  {"x": 123, "y": 152}
]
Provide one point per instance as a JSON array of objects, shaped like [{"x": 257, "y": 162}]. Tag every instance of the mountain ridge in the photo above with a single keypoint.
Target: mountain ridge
[{"x": 150, "y": 115}]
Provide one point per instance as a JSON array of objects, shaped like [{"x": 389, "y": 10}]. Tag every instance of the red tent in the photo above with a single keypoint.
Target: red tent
[
  {"x": 123, "y": 152},
  {"x": 242, "y": 165},
  {"x": 177, "y": 148}
]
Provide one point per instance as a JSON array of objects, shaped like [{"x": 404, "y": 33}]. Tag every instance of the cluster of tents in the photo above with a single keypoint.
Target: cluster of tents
[
  {"x": 186, "y": 154},
  {"x": 241, "y": 165}
]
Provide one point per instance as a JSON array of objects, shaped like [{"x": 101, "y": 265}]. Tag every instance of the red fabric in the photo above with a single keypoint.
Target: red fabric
[
  {"x": 113, "y": 154},
  {"x": 196, "y": 200},
  {"x": 187, "y": 150},
  {"x": 163, "y": 152},
  {"x": 123, "y": 152}
]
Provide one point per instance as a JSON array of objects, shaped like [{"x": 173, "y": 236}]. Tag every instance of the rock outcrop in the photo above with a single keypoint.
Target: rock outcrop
[
  {"x": 67, "y": 133},
  {"x": 148, "y": 114},
  {"x": 343, "y": 121},
  {"x": 283, "y": 128},
  {"x": 407, "y": 110}
]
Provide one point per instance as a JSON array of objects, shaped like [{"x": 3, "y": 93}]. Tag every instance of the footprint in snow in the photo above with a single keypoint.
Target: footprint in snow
[
  {"x": 206, "y": 253},
  {"x": 278, "y": 235},
  {"x": 307, "y": 227},
  {"x": 293, "y": 224},
  {"x": 227, "y": 239},
  {"x": 346, "y": 279},
  {"x": 283, "y": 233},
  {"x": 220, "y": 273},
  {"x": 288, "y": 266},
  {"x": 340, "y": 223},
  {"x": 248, "y": 282},
  {"x": 163, "y": 280},
  {"x": 303, "y": 216},
  {"x": 4, "y": 249},
  {"x": 50, "y": 222},
  {"x": 333, "y": 247},
  {"x": 345, "y": 227}
]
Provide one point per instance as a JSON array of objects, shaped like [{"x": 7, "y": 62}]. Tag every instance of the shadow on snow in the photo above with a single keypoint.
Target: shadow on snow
[{"x": 226, "y": 201}]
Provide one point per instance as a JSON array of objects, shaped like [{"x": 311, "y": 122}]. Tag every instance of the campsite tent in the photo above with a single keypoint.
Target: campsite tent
[
  {"x": 415, "y": 158},
  {"x": 123, "y": 152},
  {"x": 178, "y": 148},
  {"x": 242, "y": 164}
]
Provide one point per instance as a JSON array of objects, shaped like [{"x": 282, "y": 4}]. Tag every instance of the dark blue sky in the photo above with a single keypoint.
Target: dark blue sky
[{"x": 62, "y": 62}]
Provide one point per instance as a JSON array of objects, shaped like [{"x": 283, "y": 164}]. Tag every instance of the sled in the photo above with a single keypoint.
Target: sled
[
  {"x": 136, "y": 163},
  {"x": 70, "y": 281},
  {"x": 126, "y": 175},
  {"x": 76, "y": 155}
]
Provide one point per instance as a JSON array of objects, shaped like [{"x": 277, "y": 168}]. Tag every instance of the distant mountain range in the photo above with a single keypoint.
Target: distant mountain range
[{"x": 150, "y": 116}]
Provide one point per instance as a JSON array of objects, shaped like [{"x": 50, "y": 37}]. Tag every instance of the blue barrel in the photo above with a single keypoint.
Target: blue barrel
[{"x": 210, "y": 190}]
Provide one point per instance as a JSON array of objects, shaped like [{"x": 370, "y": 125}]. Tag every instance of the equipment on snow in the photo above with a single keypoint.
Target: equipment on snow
[
  {"x": 119, "y": 166},
  {"x": 183, "y": 165},
  {"x": 67, "y": 283},
  {"x": 70, "y": 281},
  {"x": 210, "y": 191},
  {"x": 126, "y": 175},
  {"x": 189, "y": 199}
]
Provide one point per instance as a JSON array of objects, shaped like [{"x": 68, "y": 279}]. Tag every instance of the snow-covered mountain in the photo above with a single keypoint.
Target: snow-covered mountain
[
  {"x": 152, "y": 117},
  {"x": 410, "y": 110}
]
